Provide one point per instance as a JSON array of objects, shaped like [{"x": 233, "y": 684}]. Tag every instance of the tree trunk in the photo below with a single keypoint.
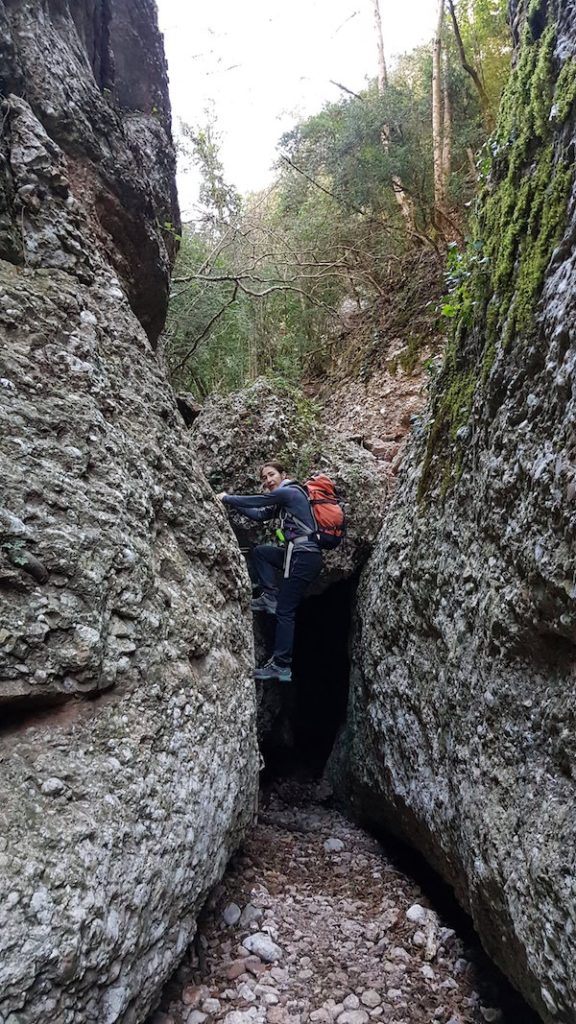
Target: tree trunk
[
  {"x": 404, "y": 202},
  {"x": 446, "y": 131},
  {"x": 382, "y": 72},
  {"x": 437, "y": 118},
  {"x": 484, "y": 100}
]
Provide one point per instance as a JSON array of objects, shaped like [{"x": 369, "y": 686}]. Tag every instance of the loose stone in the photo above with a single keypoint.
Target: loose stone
[
  {"x": 417, "y": 914},
  {"x": 370, "y": 998},
  {"x": 231, "y": 914},
  {"x": 333, "y": 845},
  {"x": 250, "y": 915},
  {"x": 262, "y": 945},
  {"x": 211, "y": 1006},
  {"x": 353, "y": 1017}
]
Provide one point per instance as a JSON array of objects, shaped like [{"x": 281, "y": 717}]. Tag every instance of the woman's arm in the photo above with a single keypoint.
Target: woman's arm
[{"x": 256, "y": 506}]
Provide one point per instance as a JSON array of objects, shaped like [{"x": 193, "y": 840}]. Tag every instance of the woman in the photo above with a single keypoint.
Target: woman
[{"x": 299, "y": 562}]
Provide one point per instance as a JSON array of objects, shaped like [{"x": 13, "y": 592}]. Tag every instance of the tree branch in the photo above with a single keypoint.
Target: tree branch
[
  {"x": 345, "y": 89},
  {"x": 484, "y": 100},
  {"x": 206, "y": 330}
]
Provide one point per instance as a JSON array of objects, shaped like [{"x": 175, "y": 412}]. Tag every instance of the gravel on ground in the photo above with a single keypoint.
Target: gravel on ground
[{"x": 313, "y": 922}]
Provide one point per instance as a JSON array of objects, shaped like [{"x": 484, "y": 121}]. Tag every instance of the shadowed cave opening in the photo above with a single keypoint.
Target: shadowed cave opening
[{"x": 302, "y": 722}]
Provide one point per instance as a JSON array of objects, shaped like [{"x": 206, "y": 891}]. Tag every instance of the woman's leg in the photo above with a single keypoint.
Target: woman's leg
[
  {"x": 305, "y": 567},
  {"x": 267, "y": 560}
]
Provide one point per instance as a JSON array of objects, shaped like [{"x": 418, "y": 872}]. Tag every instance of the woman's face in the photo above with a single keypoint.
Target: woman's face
[{"x": 271, "y": 478}]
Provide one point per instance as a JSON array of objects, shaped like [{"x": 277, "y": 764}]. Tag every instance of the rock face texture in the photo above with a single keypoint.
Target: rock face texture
[
  {"x": 235, "y": 434},
  {"x": 461, "y": 730},
  {"x": 232, "y": 437},
  {"x": 119, "y": 577}
]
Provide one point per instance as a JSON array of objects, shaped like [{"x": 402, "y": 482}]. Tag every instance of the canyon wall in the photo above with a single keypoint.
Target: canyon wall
[
  {"x": 462, "y": 718},
  {"x": 128, "y": 763}
]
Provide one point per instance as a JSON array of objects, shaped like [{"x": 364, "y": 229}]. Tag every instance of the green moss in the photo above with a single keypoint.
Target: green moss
[
  {"x": 522, "y": 214},
  {"x": 565, "y": 93},
  {"x": 453, "y": 411}
]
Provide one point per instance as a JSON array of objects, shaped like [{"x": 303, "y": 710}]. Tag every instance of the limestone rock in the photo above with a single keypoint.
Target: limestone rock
[
  {"x": 234, "y": 435},
  {"x": 118, "y": 571},
  {"x": 262, "y": 945},
  {"x": 461, "y": 725}
]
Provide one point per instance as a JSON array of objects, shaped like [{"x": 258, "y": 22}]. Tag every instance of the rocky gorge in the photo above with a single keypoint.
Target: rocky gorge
[
  {"x": 128, "y": 759},
  {"x": 128, "y": 715},
  {"x": 460, "y": 732}
]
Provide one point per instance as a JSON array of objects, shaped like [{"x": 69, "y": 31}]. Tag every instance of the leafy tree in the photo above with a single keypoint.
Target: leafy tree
[{"x": 261, "y": 280}]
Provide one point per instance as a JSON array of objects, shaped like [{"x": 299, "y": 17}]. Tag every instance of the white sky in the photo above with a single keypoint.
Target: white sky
[{"x": 264, "y": 64}]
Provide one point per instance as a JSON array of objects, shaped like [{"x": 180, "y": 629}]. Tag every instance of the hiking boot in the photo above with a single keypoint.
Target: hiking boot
[
  {"x": 264, "y": 604},
  {"x": 271, "y": 670}
]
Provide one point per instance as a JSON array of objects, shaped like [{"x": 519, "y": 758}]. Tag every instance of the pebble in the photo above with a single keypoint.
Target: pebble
[
  {"x": 211, "y": 1006},
  {"x": 277, "y": 1015},
  {"x": 340, "y": 939},
  {"x": 246, "y": 993},
  {"x": 417, "y": 914},
  {"x": 231, "y": 914},
  {"x": 235, "y": 969},
  {"x": 250, "y": 915},
  {"x": 255, "y": 966},
  {"x": 262, "y": 945},
  {"x": 353, "y": 1017},
  {"x": 194, "y": 994},
  {"x": 370, "y": 998},
  {"x": 333, "y": 845}
]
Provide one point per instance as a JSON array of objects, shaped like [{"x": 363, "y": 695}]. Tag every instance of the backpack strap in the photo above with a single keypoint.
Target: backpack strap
[{"x": 303, "y": 526}]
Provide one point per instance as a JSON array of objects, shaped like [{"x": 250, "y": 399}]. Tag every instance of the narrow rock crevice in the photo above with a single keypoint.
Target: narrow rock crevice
[
  {"x": 310, "y": 715},
  {"x": 299, "y": 722}
]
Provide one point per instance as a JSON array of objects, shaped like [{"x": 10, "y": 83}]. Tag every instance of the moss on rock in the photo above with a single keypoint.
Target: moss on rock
[{"x": 521, "y": 216}]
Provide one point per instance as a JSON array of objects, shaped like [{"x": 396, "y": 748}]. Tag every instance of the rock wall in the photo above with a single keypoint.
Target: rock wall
[
  {"x": 120, "y": 580},
  {"x": 461, "y": 731},
  {"x": 235, "y": 434}
]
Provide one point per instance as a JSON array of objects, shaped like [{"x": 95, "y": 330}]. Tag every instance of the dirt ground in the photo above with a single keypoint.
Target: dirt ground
[{"x": 313, "y": 922}]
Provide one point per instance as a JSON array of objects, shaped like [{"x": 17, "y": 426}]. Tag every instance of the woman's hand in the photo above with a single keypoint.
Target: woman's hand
[{"x": 221, "y": 496}]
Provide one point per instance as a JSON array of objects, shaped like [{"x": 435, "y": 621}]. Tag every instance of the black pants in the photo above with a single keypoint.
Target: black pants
[{"x": 305, "y": 566}]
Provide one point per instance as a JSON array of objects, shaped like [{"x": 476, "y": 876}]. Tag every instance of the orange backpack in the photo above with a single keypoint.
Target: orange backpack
[{"x": 327, "y": 510}]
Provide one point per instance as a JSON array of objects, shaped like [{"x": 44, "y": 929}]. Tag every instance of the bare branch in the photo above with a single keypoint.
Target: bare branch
[
  {"x": 206, "y": 330},
  {"x": 345, "y": 89},
  {"x": 484, "y": 100}
]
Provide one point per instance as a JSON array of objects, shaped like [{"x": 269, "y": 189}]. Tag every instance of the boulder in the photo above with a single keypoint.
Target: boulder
[
  {"x": 461, "y": 731},
  {"x": 120, "y": 580},
  {"x": 234, "y": 435}
]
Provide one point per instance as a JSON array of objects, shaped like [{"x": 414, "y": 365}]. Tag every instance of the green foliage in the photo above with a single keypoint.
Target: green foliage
[
  {"x": 484, "y": 28},
  {"x": 260, "y": 280}
]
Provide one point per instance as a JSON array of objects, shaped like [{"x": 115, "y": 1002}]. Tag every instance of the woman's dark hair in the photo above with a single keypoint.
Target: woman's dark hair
[{"x": 275, "y": 465}]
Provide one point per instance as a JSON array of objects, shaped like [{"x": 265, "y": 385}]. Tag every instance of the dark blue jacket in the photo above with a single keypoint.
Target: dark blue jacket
[{"x": 286, "y": 501}]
